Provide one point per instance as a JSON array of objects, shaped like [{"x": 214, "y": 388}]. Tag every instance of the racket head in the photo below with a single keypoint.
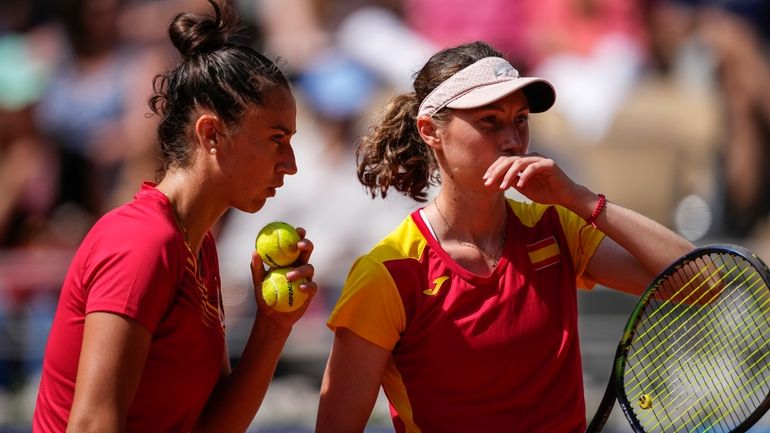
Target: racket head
[{"x": 695, "y": 353}]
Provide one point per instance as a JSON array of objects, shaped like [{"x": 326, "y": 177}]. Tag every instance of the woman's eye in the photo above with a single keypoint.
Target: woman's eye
[
  {"x": 490, "y": 120},
  {"x": 520, "y": 120}
]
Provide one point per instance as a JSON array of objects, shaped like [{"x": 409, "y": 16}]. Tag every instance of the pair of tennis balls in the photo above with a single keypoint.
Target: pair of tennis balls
[{"x": 276, "y": 244}]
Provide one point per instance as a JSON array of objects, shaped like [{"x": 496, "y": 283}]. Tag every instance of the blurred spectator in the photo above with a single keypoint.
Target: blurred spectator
[
  {"x": 146, "y": 21},
  {"x": 377, "y": 36},
  {"x": 733, "y": 36},
  {"x": 27, "y": 176},
  {"x": 737, "y": 33},
  {"x": 451, "y": 22},
  {"x": 650, "y": 109},
  {"x": 291, "y": 30},
  {"x": 371, "y": 33},
  {"x": 94, "y": 109},
  {"x": 19, "y": 16},
  {"x": 593, "y": 51},
  {"x": 26, "y": 165}
]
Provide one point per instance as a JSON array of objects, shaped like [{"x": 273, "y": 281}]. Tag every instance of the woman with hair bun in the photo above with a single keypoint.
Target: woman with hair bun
[
  {"x": 466, "y": 313},
  {"x": 138, "y": 340}
]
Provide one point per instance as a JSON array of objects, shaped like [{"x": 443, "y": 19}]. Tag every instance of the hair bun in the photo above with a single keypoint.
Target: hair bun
[{"x": 194, "y": 34}]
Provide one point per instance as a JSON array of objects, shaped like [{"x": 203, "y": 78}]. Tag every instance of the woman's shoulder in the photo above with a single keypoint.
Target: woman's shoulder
[
  {"x": 534, "y": 214},
  {"x": 528, "y": 212},
  {"x": 405, "y": 241},
  {"x": 127, "y": 241},
  {"x": 141, "y": 224}
]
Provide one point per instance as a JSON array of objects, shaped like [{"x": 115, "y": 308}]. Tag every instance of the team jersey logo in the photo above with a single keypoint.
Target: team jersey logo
[
  {"x": 437, "y": 283},
  {"x": 544, "y": 253}
]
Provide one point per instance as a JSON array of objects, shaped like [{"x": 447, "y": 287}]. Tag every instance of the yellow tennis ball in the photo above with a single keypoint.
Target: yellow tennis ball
[
  {"x": 277, "y": 244},
  {"x": 280, "y": 293}
]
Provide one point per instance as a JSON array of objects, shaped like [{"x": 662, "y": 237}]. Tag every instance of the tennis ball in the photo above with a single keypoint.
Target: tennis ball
[
  {"x": 277, "y": 244},
  {"x": 281, "y": 294}
]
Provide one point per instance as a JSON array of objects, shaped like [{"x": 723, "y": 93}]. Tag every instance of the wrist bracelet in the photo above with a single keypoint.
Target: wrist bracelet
[{"x": 597, "y": 210}]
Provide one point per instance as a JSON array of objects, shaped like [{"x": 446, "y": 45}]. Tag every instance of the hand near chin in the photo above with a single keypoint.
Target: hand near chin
[{"x": 538, "y": 178}]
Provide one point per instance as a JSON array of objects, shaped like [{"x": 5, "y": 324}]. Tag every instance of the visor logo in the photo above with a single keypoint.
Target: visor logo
[{"x": 505, "y": 70}]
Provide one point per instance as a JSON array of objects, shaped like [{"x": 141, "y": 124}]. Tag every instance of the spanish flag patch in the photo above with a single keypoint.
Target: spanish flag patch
[{"x": 544, "y": 253}]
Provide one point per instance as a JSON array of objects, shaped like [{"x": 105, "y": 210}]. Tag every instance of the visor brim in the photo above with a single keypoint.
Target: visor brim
[{"x": 540, "y": 94}]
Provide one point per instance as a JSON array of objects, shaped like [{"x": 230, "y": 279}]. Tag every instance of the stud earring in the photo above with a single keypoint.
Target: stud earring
[{"x": 213, "y": 151}]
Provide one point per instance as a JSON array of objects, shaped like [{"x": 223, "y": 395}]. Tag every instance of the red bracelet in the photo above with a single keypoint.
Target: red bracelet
[{"x": 597, "y": 210}]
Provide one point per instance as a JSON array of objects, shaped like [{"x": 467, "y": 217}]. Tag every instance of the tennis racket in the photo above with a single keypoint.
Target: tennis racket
[{"x": 695, "y": 353}]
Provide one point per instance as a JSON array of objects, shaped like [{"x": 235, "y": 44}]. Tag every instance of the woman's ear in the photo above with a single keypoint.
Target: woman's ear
[
  {"x": 429, "y": 131},
  {"x": 207, "y": 133}
]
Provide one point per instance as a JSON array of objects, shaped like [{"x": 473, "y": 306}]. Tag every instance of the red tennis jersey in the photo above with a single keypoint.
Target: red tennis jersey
[
  {"x": 134, "y": 262},
  {"x": 474, "y": 353}
]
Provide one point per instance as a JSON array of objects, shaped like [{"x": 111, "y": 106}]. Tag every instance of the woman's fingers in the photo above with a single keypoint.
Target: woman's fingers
[
  {"x": 305, "y": 246},
  {"x": 509, "y": 171},
  {"x": 257, "y": 269}
]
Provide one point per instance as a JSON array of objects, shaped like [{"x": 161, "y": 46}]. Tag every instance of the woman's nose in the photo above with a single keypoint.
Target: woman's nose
[
  {"x": 288, "y": 165},
  {"x": 512, "y": 139}
]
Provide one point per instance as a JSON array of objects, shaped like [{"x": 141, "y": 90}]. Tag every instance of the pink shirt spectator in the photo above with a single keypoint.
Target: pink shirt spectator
[{"x": 503, "y": 23}]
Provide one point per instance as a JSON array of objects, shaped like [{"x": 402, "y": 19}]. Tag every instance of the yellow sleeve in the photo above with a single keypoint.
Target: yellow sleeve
[
  {"x": 583, "y": 240},
  {"x": 370, "y": 304}
]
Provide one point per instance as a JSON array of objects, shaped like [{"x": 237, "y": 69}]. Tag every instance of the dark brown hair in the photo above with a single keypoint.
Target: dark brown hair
[
  {"x": 393, "y": 154},
  {"x": 218, "y": 71}
]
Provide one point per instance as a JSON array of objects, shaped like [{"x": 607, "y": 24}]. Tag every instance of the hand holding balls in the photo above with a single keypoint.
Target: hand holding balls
[{"x": 277, "y": 246}]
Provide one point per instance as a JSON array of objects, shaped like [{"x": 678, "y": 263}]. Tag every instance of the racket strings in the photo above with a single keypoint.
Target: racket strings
[
  {"x": 681, "y": 366},
  {"x": 686, "y": 301},
  {"x": 700, "y": 353},
  {"x": 690, "y": 379},
  {"x": 681, "y": 345},
  {"x": 701, "y": 384},
  {"x": 709, "y": 382},
  {"x": 706, "y": 410},
  {"x": 665, "y": 328}
]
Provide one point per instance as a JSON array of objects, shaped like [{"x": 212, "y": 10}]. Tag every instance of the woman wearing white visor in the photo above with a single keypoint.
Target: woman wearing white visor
[{"x": 466, "y": 313}]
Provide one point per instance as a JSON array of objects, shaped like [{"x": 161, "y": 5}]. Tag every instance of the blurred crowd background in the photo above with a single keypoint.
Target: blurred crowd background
[{"x": 663, "y": 105}]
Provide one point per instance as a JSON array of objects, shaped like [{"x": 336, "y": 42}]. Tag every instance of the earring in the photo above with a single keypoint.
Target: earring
[{"x": 213, "y": 151}]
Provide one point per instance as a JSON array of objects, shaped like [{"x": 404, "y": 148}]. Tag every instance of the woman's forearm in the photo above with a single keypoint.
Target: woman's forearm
[
  {"x": 654, "y": 245},
  {"x": 237, "y": 397}
]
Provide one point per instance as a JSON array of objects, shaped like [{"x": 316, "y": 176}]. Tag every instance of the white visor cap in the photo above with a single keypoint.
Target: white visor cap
[{"x": 484, "y": 82}]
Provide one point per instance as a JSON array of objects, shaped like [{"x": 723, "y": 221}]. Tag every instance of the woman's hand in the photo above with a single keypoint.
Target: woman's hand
[
  {"x": 302, "y": 269},
  {"x": 539, "y": 178}
]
